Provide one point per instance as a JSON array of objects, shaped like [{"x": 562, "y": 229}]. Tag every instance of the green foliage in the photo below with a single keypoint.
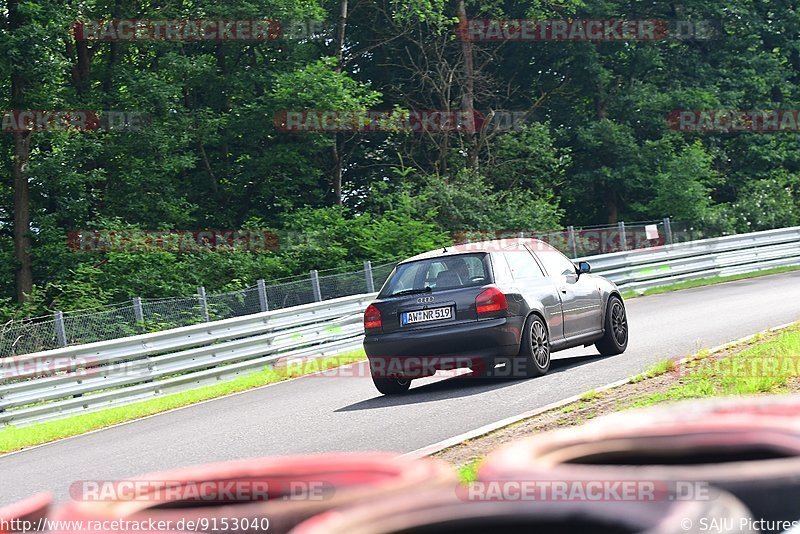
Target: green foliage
[
  {"x": 468, "y": 202},
  {"x": 529, "y": 159},
  {"x": 682, "y": 185},
  {"x": 596, "y": 147},
  {"x": 767, "y": 203},
  {"x": 400, "y": 232}
]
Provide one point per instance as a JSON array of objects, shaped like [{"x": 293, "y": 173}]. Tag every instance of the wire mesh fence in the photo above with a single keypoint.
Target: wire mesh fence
[
  {"x": 594, "y": 240},
  {"x": 381, "y": 273},
  {"x": 151, "y": 315},
  {"x": 24, "y": 338},
  {"x": 82, "y": 328},
  {"x": 289, "y": 294},
  {"x": 341, "y": 285},
  {"x": 234, "y": 304},
  {"x": 163, "y": 314}
]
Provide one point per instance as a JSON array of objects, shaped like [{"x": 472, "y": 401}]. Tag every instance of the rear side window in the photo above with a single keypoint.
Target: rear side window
[
  {"x": 522, "y": 264},
  {"x": 438, "y": 274},
  {"x": 555, "y": 263},
  {"x": 502, "y": 271}
]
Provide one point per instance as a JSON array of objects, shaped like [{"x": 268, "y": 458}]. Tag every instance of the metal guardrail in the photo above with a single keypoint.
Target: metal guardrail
[
  {"x": 55, "y": 383},
  {"x": 722, "y": 256},
  {"x": 140, "y": 316}
]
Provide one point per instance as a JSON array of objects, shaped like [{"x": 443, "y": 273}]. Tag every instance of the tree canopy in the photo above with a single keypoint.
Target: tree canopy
[{"x": 589, "y": 142}]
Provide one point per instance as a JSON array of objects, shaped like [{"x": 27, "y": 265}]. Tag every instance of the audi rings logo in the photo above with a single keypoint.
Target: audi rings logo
[{"x": 425, "y": 300}]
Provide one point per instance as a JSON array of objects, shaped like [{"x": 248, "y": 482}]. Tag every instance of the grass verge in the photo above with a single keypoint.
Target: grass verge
[
  {"x": 658, "y": 369},
  {"x": 15, "y": 438},
  {"x": 469, "y": 471},
  {"x": 688, "y": 284},
  {"x": 768, "y": 363},
  {"x": 763, "y": 367}
]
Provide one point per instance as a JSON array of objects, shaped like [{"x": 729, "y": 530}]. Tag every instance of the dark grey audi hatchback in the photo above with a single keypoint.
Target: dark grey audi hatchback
[{"x": 478, "y": 305}]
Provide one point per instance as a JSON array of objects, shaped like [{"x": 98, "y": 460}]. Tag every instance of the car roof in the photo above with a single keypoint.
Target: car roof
[{"x": 495, "y": 245}]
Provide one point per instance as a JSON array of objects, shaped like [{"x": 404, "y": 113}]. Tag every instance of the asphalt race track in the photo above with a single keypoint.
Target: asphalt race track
[{"x": 317, "y": 414}]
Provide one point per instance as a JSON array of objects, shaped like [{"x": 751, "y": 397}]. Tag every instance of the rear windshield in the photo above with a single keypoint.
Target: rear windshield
[{"x": 436, "y": 274}]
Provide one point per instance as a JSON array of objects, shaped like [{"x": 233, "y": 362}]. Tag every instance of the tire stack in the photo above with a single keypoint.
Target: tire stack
[
  {"x": 714, "y": 466},
  {"x": 277, "y": 492},
  {"x": 33, "y": 510},
  {"x": 446, "y": 512},
  {"x": 748, "y": 447}
]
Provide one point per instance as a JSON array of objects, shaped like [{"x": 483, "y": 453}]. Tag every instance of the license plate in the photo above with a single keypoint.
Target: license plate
[{"x": 426, "y": 316}]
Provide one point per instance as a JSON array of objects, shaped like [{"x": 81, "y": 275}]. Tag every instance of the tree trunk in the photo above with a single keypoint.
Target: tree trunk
[
  {"x": 341, "y": 35},
  {"x": 611, "y": 206},
  {"x": 80, "y": 56},
  {"x": 113, "y": 56},
  {"x": 22, "y": 217},
  {"x": 22, "y": 150},
  {"x": 108, "y": 80},
  {"x": 336, "y": 153},
  {"x": 468, "y": 90}
]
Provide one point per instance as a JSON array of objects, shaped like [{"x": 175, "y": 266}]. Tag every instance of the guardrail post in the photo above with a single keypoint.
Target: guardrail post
[
  {"x": 572, "y": 244},
  {"x": 61, "y": 330},
  {"x": 368, "y": 276},
  {"x": 262, "y": 295},
  {"x": 315, "y": 285},
  {"x": 201, "y": 297},
  {"x": 138, "y": 313},
  {"x": 667, "y": 231},
  {"x": 623, "y": 238}
]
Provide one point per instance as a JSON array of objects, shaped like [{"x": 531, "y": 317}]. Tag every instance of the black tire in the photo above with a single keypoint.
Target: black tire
[
  {"x": 534, "y": 352},
  {"x": 615, "y": 338},
  {"x": 390, "y": 385}
]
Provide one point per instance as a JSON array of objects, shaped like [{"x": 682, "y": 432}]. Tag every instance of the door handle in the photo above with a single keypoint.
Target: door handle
[{"x": 563, "y": 289}]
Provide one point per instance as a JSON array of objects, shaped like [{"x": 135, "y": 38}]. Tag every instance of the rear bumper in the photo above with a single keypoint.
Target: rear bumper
[{"x": 423, "y": 352}]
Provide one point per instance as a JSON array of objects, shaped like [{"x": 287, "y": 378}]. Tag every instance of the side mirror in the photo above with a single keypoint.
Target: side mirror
[{"x": 584, "y": 267}]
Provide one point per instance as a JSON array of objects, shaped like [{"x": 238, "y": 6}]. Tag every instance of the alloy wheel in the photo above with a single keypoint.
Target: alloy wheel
[
  {"x": 540, "y": 344},
  {"x": 619, "y": 323}
]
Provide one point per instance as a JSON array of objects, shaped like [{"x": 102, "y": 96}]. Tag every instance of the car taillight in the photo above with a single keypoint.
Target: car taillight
[
  {"x": 491, "y": 301},
  {"x": 372, "y": 318}
]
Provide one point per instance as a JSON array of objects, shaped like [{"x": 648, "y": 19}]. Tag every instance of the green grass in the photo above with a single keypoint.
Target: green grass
[
  {"x": 590, "y": 395},
  {"x": 764, "y": 367},
  {"x": 658, "y": 369},
  {"x": 688, "y": 284},
  {"x": 469, "y": 472},
  {"x": 14, "y": 438},
  {"x": 585, "y": 399},
  {"x": 569, "y": 408}
]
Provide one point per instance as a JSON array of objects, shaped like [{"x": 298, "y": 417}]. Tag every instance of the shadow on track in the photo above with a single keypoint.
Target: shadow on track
[{"x": 461, "y": 386}]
